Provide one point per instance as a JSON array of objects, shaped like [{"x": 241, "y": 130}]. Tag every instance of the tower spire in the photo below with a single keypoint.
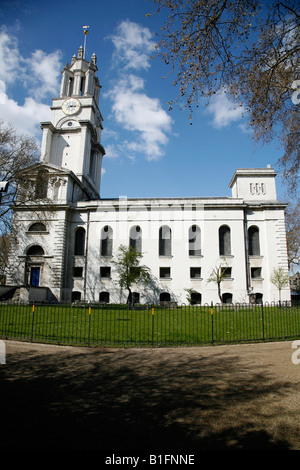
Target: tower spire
[{"x": 85, "y": 32}]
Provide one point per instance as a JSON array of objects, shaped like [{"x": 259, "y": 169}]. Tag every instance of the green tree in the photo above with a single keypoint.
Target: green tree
[
  {"x": 189, "y": 295},
  {"x": 246, "y": 48},
  {"x": 280, "y": 279},
  {"x": 217, "y": 275},
  {"x": 130, "y": 271}
]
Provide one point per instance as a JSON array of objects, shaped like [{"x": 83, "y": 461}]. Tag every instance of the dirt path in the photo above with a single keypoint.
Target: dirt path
[{"x": 150, "y": 400}]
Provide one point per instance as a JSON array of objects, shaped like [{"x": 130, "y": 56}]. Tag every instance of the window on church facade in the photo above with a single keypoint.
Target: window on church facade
[
  {"x": 135, "y": 238},
  {"x": 106, "y": 241},
  {"x": 76, "y": 296},
  {"x": 165, "y": 273},
  {"x": 196, "y": 298},
  {"x": 253, "y": 241},
  {"x": 70, "y": 86},
  {"x": 195, "y": 273},
  {"x": 134, "y": 297},
  {"x": 82, "y": 86},
  {"x": 79, "y": 242},
  {"x": 227, "y": 298},
  {"x": 165, "y": 241},
  {"x": 104, "y": 297},
  {"x": 105, "y": 272},
  {"x": 224, "y": 241},
  {"x": 37, "y": 227},
  {"x": 77, "y": 271},
  {"x": 256, "y": 273},
  {"x": 227, "y": 273},
  {"x": 194, "y": 241},
  {"x": 35, "y": 250},
  {"x": 164, "y": 297}
]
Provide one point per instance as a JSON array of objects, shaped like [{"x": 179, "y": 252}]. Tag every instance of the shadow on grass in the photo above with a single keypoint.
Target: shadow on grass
[{"x": 146, "y": 400}]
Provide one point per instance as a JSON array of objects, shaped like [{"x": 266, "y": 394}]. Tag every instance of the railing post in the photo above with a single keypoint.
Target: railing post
[
  {"x": 212, "y": 321},
  {"x": 262, "y": 319},
  {"x": 152, "y": 326},
  {"x": 89, "y": 333},
  {"x": 32, "y": 321}
]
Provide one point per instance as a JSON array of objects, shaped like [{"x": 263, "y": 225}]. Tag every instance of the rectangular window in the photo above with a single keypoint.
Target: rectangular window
[
  {"x": 105, "y": 272},
  {"x": 165, "y": 273},
  {"x": 256, "y": 273},
  {"x": 227, "y": 273},
  {"x": 195, "y": 273},
  {"x": 77, "y": 271}
]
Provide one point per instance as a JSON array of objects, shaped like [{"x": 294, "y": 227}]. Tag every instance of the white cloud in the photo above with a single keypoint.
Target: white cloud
[
  {"x": 224, "y": 111},
  {"x": 9, "y": 57},
  {"x": 133, "y": 45},
  {"x": 37, "y": 77},
  {"x": 26, "y": 118},
  {"x": 45, "y": 70},
  {"x": 112, "y": 151},
  {"x": 132, "y": 109},
  {"x": 137, "y": 112}
]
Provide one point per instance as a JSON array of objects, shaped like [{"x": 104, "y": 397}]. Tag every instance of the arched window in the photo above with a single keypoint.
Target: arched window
[
  {"x": 76, "y": 296},
  {"x": 196, "y": 298},
  {"x": 35, "y": 250},
  {"x": 164, "y": 297},
  {"x": 104, "y": 297},
  {"x": 134, "y": 298},
  {"x": 70, "y": 86},
  {"x": 135, "y": 238},
  {"x": 37, "y": 227},
  {"x": 194, "y": 241},
  {"x": 253, "y": 240},
  {"x": 79, "y": 242},
  {"x": 224, "y": 241},
  {"x": 227, "y": 298},
  {"x": 165, "y": 242},
  {"x": 106, "y": 241},
  {"x": 82, "y": 86}
]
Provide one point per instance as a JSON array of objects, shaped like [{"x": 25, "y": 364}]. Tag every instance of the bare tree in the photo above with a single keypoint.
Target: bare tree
[
  {"x": 246, "y": 48},
  {"x": 4, "y": 247},
  {"x": 17, "y": 152},
  {"x": 292, "y": 222}
]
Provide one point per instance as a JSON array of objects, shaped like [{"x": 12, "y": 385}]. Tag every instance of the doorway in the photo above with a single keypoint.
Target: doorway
[{"x": 35, "y": 276}]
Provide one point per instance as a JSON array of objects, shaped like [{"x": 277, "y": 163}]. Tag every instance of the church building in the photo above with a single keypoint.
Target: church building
[{"x": 68, "y": 236}]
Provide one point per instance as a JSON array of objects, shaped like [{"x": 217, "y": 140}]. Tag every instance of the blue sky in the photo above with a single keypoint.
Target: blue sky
[{"x": 150, "y": 152}]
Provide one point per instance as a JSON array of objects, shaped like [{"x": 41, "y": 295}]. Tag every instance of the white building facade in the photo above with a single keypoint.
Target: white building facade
[{"x": 68, "y": 236}]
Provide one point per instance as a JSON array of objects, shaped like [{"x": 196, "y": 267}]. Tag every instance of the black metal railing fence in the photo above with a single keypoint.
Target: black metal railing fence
[{"x": 147, "y": 325}]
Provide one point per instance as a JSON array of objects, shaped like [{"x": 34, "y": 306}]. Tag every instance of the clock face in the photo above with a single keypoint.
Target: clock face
[{"x": 71, "y": 106}]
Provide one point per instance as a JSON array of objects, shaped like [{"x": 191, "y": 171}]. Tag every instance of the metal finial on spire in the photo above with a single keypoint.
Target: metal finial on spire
[{"x": 85, "y": 32}]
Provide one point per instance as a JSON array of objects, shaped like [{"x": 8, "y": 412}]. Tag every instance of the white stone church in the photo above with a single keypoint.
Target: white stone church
[{"x": 68, "y": 236}]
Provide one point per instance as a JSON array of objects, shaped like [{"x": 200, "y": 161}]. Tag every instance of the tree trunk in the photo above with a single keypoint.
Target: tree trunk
[
  {"x": 129, "y": 298},
  {"x": 219, "y": 292}
]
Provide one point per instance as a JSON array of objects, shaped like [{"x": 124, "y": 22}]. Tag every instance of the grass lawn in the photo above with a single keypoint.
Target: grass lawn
[{"x": 117, "y": 325}]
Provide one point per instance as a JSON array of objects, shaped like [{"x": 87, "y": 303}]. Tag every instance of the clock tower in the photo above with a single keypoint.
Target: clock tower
[{"x": 71, "y": 140}]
